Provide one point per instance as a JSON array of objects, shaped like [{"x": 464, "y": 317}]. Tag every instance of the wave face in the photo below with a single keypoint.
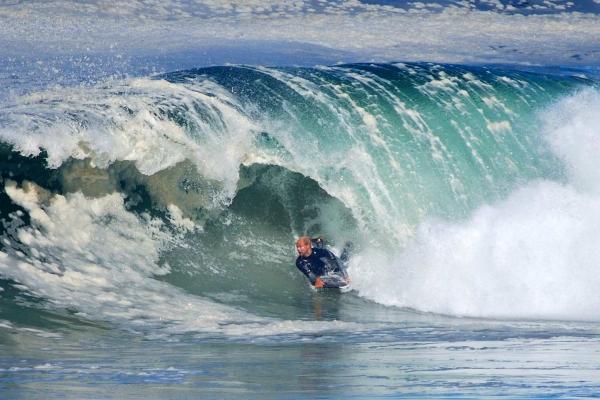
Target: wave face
[{"x": 468, "y": 191}]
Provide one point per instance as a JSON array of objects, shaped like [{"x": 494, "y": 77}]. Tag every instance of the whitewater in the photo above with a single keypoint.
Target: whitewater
[{"x": 151, "y": 191}]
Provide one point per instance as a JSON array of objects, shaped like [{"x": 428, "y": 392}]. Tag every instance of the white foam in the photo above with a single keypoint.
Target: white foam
[
  {"x": 498, "y": 126},
  {"x": 177, "y": 219},
  {"x": 457, "y": 33},
  {"x": 38, "y": 332},
  {"x": 5, "y": 324},
  {"x": 93, "y": 256},
  {"x": 105, "y": 259},
  {"x": 533, "y": 255},
  {"x": 572, "y": 130},
  {"x": 126, "y": 121},
  {"x": 46, "y": 366}
]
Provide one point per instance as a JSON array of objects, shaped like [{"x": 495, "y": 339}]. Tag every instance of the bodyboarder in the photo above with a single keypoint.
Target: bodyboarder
[{"x": 319, "y": 265}]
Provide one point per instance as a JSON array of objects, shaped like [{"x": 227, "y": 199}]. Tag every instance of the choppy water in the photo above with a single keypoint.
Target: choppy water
[{"x": 417, "y": 357}]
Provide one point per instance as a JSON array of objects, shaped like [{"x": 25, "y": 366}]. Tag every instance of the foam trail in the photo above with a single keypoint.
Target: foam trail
[{"x": 532, "y": 255}]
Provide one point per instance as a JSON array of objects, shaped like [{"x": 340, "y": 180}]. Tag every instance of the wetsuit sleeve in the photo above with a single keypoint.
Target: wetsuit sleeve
[{"x": 304, "y": 267}]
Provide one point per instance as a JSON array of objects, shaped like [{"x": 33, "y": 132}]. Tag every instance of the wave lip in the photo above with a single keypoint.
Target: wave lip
[{"x": 138, "y": 121}]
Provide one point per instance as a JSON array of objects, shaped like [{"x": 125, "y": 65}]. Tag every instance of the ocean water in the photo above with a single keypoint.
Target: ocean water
[{"x": 157, "y": 163}]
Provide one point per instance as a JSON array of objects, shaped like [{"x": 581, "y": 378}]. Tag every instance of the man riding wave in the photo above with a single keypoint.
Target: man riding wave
[{"x": 319, "y": 264}]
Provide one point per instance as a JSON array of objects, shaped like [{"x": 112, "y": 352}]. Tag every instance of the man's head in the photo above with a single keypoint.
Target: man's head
[{"x": 304, "y": 246}]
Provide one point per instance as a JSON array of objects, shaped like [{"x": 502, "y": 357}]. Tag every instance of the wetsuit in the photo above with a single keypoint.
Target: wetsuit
[{"x": 320, "y": 262}]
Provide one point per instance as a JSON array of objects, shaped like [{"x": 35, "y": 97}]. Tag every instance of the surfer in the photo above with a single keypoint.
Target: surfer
[{"x": 319, "y": 264}]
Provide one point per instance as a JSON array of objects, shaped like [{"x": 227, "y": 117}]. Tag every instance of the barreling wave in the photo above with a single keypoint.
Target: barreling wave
[{"x": 184, "y": 191}]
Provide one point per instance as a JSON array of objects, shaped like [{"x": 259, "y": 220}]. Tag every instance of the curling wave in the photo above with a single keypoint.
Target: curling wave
[{"x": 125, "y": 200}]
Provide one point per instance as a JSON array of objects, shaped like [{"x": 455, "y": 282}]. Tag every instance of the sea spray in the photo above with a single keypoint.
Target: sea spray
[{"x": 532, "y": 255}]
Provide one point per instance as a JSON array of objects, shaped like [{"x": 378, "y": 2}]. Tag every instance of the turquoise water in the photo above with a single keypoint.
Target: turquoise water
[{"x": 148, "y": 228}]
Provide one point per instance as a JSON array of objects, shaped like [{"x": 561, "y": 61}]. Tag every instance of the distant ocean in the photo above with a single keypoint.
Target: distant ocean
[{"x": 158, "y": 162}]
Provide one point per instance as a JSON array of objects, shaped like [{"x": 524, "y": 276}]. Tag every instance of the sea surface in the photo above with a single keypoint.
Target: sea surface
[{"x": 157, "y": 163}]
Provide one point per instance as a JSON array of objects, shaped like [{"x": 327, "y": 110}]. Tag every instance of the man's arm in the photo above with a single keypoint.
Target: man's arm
[{"x": 304, "y": 267}]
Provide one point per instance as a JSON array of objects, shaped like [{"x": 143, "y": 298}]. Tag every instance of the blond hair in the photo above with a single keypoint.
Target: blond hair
[{"x": 304, "y": 240}]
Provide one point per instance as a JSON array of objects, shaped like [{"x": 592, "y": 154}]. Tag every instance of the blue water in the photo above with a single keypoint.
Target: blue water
[
  {"x": 422, "y": 357},
  {"x": 156, "y": 171}
]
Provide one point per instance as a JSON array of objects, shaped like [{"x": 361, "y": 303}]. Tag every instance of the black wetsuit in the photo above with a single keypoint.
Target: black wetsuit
[{"x": 319, "y": 263}]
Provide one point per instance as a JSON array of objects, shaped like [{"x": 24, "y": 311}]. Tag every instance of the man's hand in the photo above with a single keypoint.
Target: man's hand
[{"x": 319, "y": 283}]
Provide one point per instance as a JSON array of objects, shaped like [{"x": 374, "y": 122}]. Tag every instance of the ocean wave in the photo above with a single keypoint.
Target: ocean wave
[{"x": 129, "y": 199}]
